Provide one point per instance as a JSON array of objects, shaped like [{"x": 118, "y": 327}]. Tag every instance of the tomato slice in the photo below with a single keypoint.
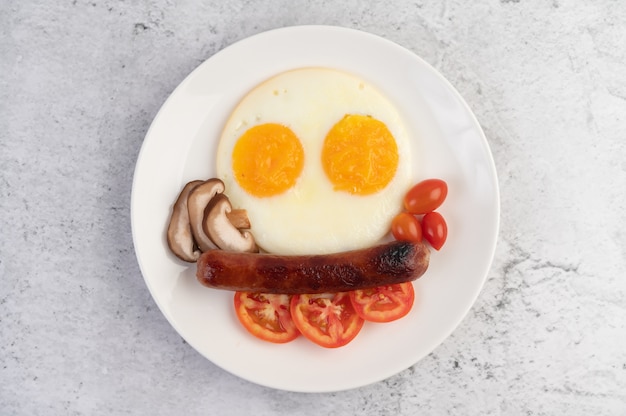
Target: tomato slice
[
  {"x": 383, "y": 303},
  {"x": 426, "y": 196},
  {"x": 435, "y": 229},
  {"x": 328, "y": 320},
  {"x": 266, "y": 316}
]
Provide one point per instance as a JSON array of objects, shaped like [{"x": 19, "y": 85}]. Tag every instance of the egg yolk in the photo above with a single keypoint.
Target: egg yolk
[
  {"x": 360, "y": 155},
  {"x": 267, "y": 159}
]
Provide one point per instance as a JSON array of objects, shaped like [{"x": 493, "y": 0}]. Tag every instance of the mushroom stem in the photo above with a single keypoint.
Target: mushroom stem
[{"x": 239, "y": 218}]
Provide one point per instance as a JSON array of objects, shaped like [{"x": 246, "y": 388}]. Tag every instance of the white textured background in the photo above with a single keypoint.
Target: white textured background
[{"x": 80, "y": 82}]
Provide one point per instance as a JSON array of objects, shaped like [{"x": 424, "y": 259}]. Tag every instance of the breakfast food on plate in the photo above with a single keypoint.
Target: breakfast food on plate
[
  {"x": 329, "y": 320},
  {"x": 202, "y": 219},
  {"x": 197, "y": 201},
  {"x": 222, "y": 231},
  {"x": 425, "y": 196},
  {"x": 267, "y": 316},
  {"x": 313, "y": 171},
  {"x": 179, "y": 236},
  {"x": 422, "y": 200},
  {"x": 383, "y": 303},
  {"x": 384, "y": 264},
  {"x": 435, "y": 229},
  {"x": 319, "y": 159}
]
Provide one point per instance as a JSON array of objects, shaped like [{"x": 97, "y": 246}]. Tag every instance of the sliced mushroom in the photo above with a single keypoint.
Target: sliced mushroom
[
  {"x": 198, "y": 200},
  {"x": 179, "y": 236},
  {"x": 223, "y": 233}
]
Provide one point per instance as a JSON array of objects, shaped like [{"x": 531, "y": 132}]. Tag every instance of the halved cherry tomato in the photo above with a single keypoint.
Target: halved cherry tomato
[
  {"x": 435, "y": 229},
  {"x": 426, "y": 196},
  {"x": 406, "y": 227},
  {"x": 266, "y": 316},
  {"x": 383, "y": 303},
  {"x": 328, "y": 320}
]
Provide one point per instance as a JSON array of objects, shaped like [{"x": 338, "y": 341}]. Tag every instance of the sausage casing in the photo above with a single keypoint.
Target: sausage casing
[{"x": 385, "y": 264}]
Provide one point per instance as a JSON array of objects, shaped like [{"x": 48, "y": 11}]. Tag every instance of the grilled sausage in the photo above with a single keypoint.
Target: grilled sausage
[{"x": 385, "y": 264}]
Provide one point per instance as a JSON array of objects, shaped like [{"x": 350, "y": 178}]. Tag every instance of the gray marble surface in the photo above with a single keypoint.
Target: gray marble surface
[{"x": 80, "y": 82}]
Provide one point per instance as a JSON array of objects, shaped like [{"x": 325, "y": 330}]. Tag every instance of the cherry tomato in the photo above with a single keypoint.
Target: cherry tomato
[
  {"x": 406, "y": 227},
  {"x": 266, "y": 316},
  {"x": 426, "y": 196},
  {"x": 383, "y": 303},
  {"x": 435, "y": 229},
  {"x": 328, "y": 320}
]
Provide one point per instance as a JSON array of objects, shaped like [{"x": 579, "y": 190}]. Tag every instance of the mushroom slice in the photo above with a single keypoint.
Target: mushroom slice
[
  {"x": 198, "y": 200},
  {"x": 223, "y": 233},
  {"x": 179, "y": 237}
]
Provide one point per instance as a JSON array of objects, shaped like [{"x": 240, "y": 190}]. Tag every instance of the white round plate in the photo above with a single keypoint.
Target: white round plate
[{"x": 447, "y": 143}]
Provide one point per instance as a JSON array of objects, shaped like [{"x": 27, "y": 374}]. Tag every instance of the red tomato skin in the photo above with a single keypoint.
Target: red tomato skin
[
  {"x": 426, "y": 196},
  {"x": 406, "y": 227},
  {"x": 435, "y": 229}
]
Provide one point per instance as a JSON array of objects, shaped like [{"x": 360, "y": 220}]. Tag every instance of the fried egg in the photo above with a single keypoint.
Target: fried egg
[{"x": 318, "y": 158}]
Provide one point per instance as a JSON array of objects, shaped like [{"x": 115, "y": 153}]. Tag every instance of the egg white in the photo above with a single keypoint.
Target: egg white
[{"x": 311, "y": 217}]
